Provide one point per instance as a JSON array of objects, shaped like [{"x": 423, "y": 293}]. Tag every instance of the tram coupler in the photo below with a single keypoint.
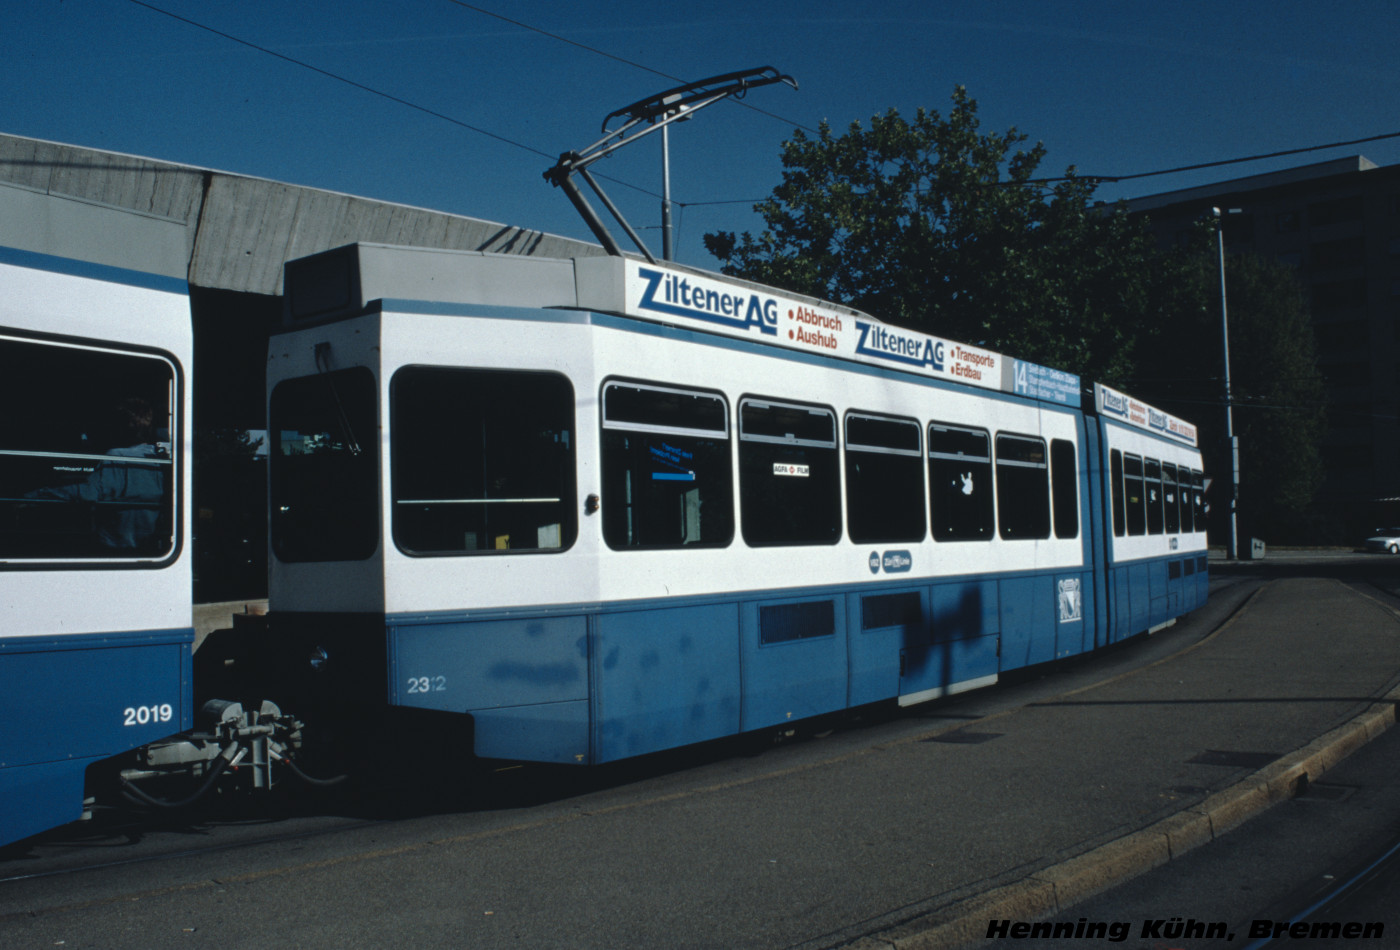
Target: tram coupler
[{"x": 231, "y": 740}]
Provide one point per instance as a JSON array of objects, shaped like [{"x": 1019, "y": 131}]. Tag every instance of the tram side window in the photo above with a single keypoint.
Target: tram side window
[
  {"x": 789, "y": 474},
  {"x": 1152, "y": 486},
  {"x": 667, "y": 479},
  {"x": 1133, "y": 493},
  {"x": 483, "y": 461},
  {"x": 1183, "y": 498},
  {"x": 1115, "y": 469},
  {"x": 1023, "y": 488},
  {"x": 960, "y": 483},
  {"x": 1064, "y": 482},
  {"x": 1198, "y": 500},
  {"x": 1171, "y": 500},
  {"x": 884, "y": 479},
  {"x": 324, "y": 473},
  {"x": 86, "y": 463}
]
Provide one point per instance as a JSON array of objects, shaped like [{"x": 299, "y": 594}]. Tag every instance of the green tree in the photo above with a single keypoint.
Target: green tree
[
  {"x": 1276, "y": 388},
  {"x": 934, "y": 225}
]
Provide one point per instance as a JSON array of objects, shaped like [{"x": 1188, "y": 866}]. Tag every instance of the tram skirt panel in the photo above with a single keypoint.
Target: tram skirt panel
[
  {"x": 70, "y": 701},
  {"x": 956, "y": 648},
  {"x": 795, "y": 660},
  {"x": 664, "y": 678},
  {"x": 1027, "y": 621},
  {"x": 525, "y": 682}
]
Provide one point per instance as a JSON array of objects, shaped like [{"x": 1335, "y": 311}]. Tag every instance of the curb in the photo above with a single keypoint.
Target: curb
[{"x": 1052, "y": 890}]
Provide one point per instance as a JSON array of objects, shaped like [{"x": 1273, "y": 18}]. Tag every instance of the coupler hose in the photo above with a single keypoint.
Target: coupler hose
[
  {"x": 310, "y": 780},
  {"x": 141, "y": 797}
]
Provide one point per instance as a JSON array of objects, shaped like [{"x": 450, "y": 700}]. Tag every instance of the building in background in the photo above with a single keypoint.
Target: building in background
[{"x": 1336, "y": 224}]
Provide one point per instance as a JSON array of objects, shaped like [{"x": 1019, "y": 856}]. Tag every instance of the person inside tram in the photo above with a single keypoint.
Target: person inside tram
[{"x": 127, "y": 496}]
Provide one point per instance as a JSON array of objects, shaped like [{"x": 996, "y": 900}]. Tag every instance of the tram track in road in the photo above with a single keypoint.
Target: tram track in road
[{"x": 1362, "y": 893}]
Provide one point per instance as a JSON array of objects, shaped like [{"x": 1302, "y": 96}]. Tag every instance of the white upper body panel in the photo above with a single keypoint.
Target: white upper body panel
[
  {"x": 69, "y": 304},
  {"x": 589, "y": 351}
]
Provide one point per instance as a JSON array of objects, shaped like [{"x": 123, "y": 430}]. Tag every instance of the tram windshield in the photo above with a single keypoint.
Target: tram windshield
[{"x": 86, "y": 463}]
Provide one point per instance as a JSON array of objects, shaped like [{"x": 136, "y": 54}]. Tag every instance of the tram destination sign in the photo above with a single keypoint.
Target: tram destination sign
[
  {"x": 1115, "y": 405},
  {"x": 1042, "y": 382},
  {"x": 656, "y": 292}
]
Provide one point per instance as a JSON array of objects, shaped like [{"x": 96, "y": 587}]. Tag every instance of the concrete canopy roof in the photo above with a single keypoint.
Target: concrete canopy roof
[{"x": 241, "y": 230}]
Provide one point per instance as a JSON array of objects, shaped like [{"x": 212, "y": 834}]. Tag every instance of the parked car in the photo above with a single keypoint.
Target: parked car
[{"x": 1384, "y": 541}]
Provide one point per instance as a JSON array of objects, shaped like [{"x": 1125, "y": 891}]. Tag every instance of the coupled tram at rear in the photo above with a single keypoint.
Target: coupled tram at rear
[
  {"x": 565, "y": 511},
  {"x": 599, "y": 508},
  {"x": 96, "y": 617},
  {"x": 95, "y": 614}
]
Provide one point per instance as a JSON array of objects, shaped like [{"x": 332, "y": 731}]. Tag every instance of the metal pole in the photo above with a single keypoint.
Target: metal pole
[
  {"x": 667, "y": 250},
  {"x": 1232, "y": 445},
  {"x": 612, "y": 209}
]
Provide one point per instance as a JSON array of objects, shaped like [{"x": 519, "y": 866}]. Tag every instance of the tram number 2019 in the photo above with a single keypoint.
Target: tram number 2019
[
  {"x": 427, "y": 684},
  {"x": 145, "y": 715}
]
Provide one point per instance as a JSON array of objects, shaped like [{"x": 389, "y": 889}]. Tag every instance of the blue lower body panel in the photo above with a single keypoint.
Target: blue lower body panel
[
  {"x": 794, "y": 659},
  {"x": 40, "y": 796},
  {"x": 598, "y": 683},
  {"x": 1027, "y": 621},
  {"x": 66, "y": 702},
  {"x": 952, "y": 643},
  {"x": 1148, "y": 594},
  {"x": 538, "y": 732},
  {"x": 665, "y": 678},
  {"x": 525, "y": 682}
]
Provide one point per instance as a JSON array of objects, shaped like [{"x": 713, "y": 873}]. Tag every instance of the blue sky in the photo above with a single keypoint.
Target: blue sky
[{"x": 1113, "y": 87}]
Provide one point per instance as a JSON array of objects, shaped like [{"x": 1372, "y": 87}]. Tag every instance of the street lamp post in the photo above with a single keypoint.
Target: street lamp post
[{"x": 1231, "y": 442}]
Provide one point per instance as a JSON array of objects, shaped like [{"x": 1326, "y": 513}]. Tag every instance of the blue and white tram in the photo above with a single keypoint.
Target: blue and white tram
[
  {"x": 1154, "y": 492},
  {"x": 95, "y": 567},
  {"x": 604, "y": 508}
]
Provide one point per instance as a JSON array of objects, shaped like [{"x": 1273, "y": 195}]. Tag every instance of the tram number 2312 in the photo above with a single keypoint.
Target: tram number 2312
[{"x": 427, "y": 684}]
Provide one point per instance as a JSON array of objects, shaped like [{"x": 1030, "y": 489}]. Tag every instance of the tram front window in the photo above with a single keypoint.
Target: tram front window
[
  {"x": 324, "y": 467},
  {"x": 483, "y": 461},
  {"x": 87, "y": 469}
]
